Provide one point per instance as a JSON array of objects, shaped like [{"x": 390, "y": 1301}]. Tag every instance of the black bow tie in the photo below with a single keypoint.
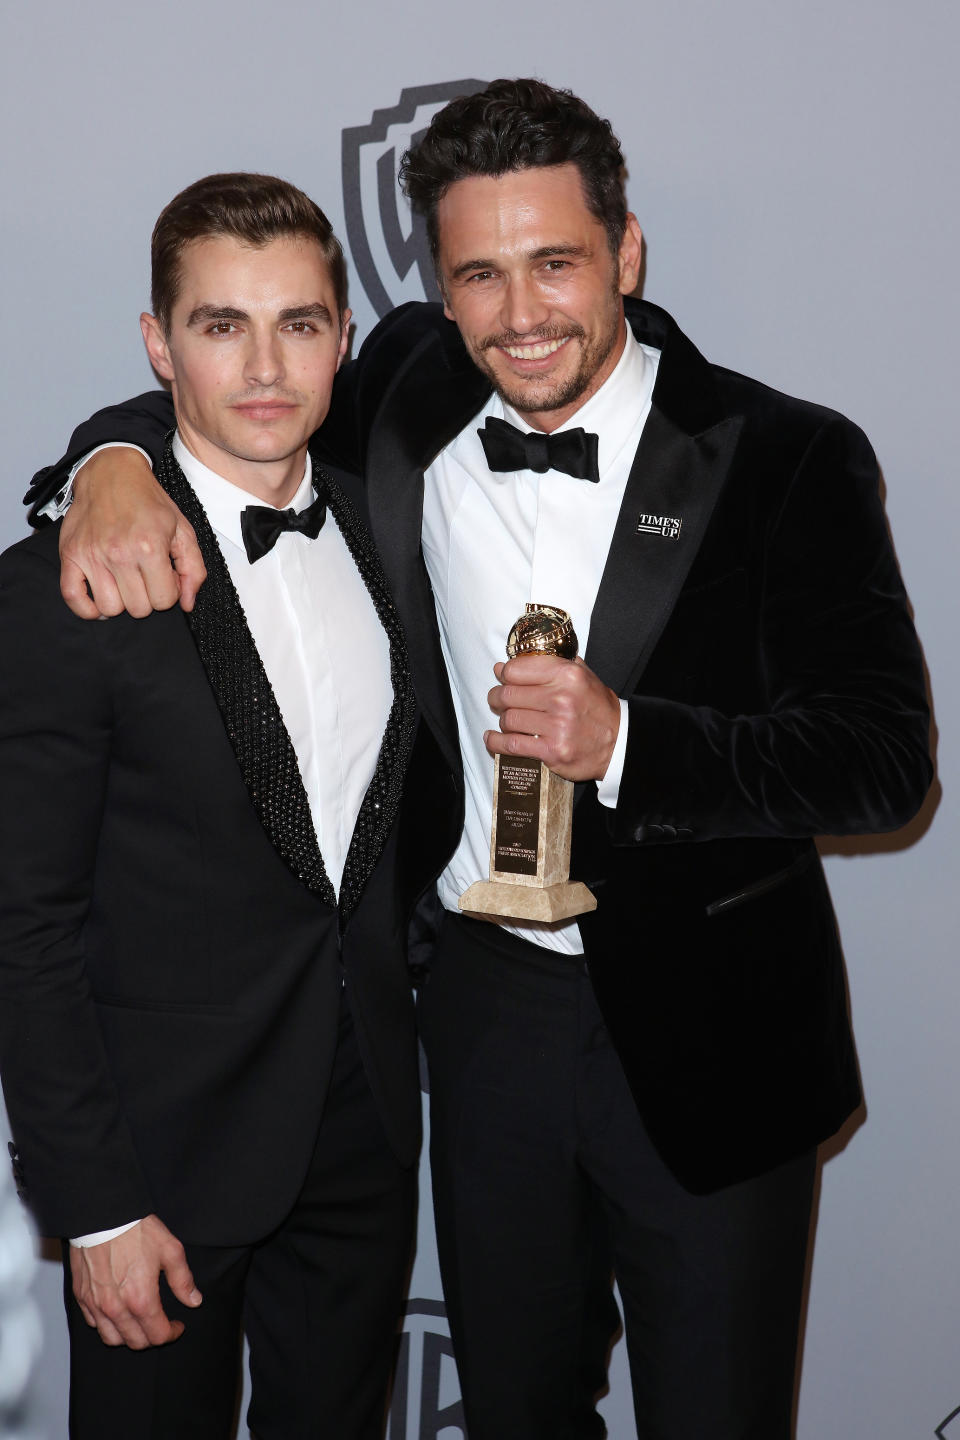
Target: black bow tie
[
  {"x": 260, "y": 526},
  {"x": 572, "y": 451}
]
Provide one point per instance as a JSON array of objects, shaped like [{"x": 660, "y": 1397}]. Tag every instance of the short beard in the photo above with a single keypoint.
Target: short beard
[{"x": 517, "y": 394}]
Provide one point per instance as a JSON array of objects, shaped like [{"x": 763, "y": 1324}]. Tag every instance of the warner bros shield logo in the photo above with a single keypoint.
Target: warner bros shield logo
[
  {"x": 388, "y": 244},
  {"x": 426, "y": 1401},
  {"x": 949, "y": 1429}
]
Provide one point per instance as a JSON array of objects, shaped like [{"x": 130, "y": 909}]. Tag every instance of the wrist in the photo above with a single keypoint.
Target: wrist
[{"x": 81, "y": 474}]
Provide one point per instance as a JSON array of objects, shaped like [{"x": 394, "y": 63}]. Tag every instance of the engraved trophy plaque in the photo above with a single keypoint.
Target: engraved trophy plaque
[{"x": 532, "y": 810}]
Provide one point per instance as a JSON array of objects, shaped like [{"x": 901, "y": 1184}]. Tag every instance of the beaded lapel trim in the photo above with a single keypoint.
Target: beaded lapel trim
[{"x": 252, "y": 718}]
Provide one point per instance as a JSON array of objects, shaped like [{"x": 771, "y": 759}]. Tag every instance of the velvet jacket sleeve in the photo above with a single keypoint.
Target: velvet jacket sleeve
[
  {"x": 342, "y": 438},
  {"x": 144, "y": 421},
  {"x": 80, "y": 1170},
  {"x": 839, "y": 741}
]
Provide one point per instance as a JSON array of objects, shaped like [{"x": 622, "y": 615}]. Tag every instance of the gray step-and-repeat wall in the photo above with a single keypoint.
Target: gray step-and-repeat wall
[{"x": 793, "y": 166}]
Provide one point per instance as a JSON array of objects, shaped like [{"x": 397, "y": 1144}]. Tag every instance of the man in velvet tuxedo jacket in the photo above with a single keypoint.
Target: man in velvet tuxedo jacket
[
  {"x": 206, "y": 1030},
  {"x": 645, "y": 1088}
]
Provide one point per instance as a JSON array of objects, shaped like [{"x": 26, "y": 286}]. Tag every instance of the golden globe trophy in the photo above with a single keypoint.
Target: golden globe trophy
[{"x": 532, "y": 810}]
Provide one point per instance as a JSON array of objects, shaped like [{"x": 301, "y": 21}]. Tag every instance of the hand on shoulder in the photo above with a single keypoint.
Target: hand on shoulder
[{"x": 124, "y": 544}]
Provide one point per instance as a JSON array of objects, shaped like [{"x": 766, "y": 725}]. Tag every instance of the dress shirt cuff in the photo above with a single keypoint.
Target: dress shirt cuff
[
  {"x": 100, "y": 1237},
  {"x": 63, "y": 499},
  {"x": 608, "y": 789}
]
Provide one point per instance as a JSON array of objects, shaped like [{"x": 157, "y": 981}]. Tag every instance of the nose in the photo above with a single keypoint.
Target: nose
[
  {"x": 523, "y": 308},
  {"x": 264, "y": 360}
]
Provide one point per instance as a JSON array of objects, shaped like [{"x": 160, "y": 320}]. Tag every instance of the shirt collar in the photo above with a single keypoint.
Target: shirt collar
[
  {"x": 225, "y": 502},
  {"x": 616, "y": 407}
]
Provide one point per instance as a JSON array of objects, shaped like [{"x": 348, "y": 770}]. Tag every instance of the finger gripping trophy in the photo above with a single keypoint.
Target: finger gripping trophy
[{"x": 532, "y": 809}]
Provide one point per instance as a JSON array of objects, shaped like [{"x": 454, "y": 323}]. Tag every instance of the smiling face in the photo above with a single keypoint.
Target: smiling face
[
  {"x": 253, "y": 345},
  {"x": 528, "y": 275}
]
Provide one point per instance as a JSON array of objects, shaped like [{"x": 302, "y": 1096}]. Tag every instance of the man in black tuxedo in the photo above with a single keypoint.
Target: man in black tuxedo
[
  {"x": 649, "y": 1084},
  {"x": 206, "y": 1029}
]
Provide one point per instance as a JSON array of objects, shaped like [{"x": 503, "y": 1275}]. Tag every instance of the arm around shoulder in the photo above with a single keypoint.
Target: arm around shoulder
[
  {"x": 124, "y": 545},
  {"x": 143, "y": 421}
]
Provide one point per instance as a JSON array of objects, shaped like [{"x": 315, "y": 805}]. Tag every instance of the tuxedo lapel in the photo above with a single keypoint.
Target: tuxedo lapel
[
  {"x": 382, "y": 800},
  {"x": 261, "y": 743},
  {"x": 678, "y": 472},
  {"x": 675, "y": 478},
  {"x": 428, "y": 400},
  {"x": 244, "y": 695}
]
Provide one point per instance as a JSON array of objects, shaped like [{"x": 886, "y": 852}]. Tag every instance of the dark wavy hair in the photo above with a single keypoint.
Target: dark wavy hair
[
  {"x": 516, "y": 125},
  {"x": 253, "y": 208}
]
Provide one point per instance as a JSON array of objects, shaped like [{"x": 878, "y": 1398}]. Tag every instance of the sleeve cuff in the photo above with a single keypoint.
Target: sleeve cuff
[
  {"x": 100, "y": 1237},
  {"x": 61, "y": 502},
  {"x": 608, "y": 789}
]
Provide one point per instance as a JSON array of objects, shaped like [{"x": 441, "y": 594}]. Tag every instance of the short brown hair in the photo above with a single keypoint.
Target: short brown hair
[
  {"x": 517, "y": 125},
  {"x": 251, "y": 208}
]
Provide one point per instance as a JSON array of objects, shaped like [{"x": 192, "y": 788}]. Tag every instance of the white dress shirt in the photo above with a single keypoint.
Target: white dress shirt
[
  {"x": 325, "y": 653},
  {"x": 494, "y": 541}
]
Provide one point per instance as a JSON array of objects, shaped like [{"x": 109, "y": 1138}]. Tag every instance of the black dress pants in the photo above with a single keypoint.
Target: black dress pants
[
  {"x": 320, "y": 1300},
  {"x": 545, "y": 1179}
]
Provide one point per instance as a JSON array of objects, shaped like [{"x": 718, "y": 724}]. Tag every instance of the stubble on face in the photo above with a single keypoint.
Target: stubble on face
[{"x": 536, "y": 395}]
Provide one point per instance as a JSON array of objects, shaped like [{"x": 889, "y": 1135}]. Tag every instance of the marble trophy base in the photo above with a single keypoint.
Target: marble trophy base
[
  {"x": 522, "y": 902},
  {"x": 529, "y": 848}
]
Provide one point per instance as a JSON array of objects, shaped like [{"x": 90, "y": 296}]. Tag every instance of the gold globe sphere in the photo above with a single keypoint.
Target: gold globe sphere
[{"x": 543, "y": 630}]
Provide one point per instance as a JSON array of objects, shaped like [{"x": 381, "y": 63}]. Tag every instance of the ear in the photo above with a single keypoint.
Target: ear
[
  {"x": 157, "y": 347},
  {"x": 630, "y": 255},
  {"x": 345, "y": 319}
]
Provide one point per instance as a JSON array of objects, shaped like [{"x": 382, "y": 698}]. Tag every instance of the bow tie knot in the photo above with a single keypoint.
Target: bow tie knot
[
  {"x": 572, "y": 451},
  {"x": 261, "y": 526}
]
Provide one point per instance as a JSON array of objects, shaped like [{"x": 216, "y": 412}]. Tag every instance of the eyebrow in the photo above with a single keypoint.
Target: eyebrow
[
  {"x": 215, "y": 312},
  {"x": 314, "y": 311},
  {"x": 543, "y": 252}
]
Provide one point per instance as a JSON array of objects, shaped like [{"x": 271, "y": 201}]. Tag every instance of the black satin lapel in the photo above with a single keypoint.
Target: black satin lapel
[
  {"x": 674, "y": 475},
  {"x": 382, "y": 799},
  {"x": 415, "y": 420},
  {"x": 428, "y": 401},
  {"x": 395, "y": 497},
  {"x": 244, "y": 695}
]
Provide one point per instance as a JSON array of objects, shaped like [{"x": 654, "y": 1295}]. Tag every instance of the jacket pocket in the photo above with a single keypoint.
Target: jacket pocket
[{"x": 761, "y": 887}]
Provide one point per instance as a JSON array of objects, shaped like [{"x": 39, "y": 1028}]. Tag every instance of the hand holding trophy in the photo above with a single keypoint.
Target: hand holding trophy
[{"x": 532, "y": 810}]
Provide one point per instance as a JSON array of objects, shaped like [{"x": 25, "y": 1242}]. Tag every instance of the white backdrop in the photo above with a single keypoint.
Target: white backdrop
[{"x": 794, "y": 169}]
